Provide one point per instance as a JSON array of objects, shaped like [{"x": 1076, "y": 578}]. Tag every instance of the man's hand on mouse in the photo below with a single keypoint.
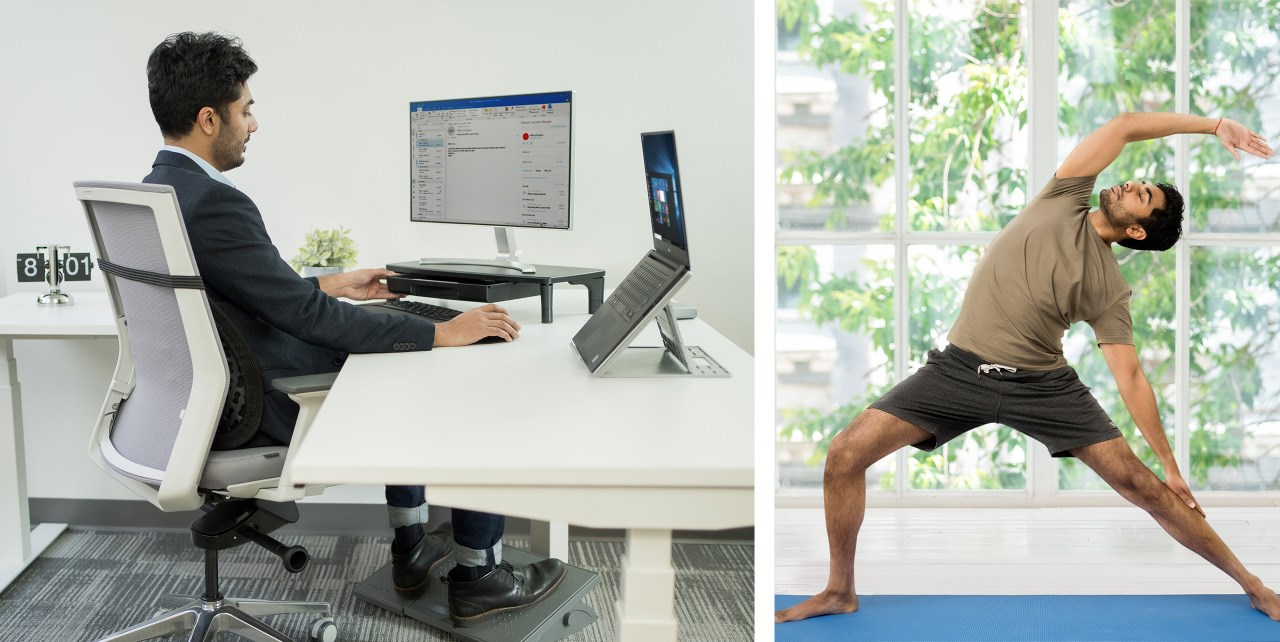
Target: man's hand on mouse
[{"x": 488, "y": 320}]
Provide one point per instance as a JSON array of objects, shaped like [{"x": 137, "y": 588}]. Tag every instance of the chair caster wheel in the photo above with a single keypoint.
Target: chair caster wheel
[{"x": 324, "y": 630}]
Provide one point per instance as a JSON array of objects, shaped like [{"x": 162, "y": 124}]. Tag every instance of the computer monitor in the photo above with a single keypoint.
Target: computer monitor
[{"x": 504, "y": 161}]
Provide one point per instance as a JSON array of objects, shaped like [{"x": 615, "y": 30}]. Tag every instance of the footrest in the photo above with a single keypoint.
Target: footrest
[{"x": 559, "y": 615}]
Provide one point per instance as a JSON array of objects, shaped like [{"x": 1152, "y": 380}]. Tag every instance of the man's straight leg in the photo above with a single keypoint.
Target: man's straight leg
[
  {"x": 1123, "y": 471},
  {"x": 873, "y": 435}
]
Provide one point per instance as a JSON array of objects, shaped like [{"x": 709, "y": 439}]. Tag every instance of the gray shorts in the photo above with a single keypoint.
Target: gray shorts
[{"x": 956, "y": 391}]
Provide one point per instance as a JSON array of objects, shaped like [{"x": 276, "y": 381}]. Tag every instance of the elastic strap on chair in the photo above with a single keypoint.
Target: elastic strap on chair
[
  {"x": 242, "y": 409},
  {"x": 152, "y": 278}
]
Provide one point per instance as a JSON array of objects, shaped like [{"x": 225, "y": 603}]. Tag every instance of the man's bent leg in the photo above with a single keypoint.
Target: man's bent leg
[
  {"x": 872, "y": 436},
  {"x": 1123, "y": 471}
]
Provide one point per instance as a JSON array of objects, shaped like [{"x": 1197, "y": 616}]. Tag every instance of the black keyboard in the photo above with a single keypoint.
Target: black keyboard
[{"x": 433, "y": 312}]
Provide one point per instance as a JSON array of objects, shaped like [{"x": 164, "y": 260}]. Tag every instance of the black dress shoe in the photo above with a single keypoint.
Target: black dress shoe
[
  {"x": 502, "y": 590},
  {"x": 410, "y": 571}
]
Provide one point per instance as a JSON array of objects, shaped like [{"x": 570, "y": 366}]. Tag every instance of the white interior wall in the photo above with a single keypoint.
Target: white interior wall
[{"x": 332, "y": 94}]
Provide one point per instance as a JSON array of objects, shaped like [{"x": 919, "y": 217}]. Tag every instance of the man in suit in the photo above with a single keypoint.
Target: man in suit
[{"x": 199, "y": 93}]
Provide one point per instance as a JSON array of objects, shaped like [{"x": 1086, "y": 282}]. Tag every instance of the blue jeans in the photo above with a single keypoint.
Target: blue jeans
[{"x": 477, "y": 536}]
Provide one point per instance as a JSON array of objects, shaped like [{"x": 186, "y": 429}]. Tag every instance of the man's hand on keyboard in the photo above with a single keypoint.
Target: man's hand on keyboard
[
  {"x": 358, "y": 285},
  {"x": 488, "y": 320}
]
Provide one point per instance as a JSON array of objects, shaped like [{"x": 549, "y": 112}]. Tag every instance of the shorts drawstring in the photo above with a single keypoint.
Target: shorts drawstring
[{"x": 988, "y": 367}]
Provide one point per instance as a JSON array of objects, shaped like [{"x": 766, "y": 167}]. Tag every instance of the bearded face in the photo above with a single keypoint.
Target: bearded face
[
  {"x": 229, "y": 146},
  {"x": 1113, "y": 208}
]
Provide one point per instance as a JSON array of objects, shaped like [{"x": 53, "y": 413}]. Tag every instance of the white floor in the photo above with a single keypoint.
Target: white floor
[{"x": 1023, "y": 551}]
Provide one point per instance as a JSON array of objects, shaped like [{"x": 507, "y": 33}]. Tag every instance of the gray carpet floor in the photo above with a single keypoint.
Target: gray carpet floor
[{"x": 88, "y": 584}]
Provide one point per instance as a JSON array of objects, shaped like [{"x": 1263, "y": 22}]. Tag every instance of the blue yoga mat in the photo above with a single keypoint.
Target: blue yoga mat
[{"x": 1042, "y": 618}]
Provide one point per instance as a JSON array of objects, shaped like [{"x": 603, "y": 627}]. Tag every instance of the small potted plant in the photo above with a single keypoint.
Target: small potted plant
[{"x": 325, "y": 252}]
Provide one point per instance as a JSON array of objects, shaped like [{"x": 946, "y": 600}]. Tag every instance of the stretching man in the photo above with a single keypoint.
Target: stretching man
[
  {"x": 198, "y": 85},
  {"x": 1050, "y": 267}
]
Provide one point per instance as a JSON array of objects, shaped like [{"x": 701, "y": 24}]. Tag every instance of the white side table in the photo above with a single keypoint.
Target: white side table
[{"x": 22, "y": 318}]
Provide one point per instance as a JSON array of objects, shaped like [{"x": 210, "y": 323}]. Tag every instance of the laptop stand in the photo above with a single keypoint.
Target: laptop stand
[
  {"x": 559, "y": 615},
  {"x": 673, "y": 359}
]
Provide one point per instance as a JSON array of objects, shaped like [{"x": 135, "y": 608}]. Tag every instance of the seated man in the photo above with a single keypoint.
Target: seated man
[{"x": 201, "y": 100}]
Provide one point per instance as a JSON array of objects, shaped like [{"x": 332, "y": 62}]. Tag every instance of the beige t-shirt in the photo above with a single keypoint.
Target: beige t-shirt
[{"x": 1047, "y": 269}]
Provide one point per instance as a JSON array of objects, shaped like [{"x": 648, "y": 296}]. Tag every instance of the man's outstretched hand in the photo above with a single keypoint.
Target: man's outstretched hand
[
  {"x": 1235, "y": 136},
  {"x": 358, "y": 285}
]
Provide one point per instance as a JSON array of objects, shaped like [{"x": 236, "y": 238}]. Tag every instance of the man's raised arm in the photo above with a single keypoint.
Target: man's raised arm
[{"x": 1100, "y": 149}]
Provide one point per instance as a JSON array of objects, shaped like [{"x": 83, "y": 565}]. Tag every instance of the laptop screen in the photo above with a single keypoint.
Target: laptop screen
[{"x": 666, "y": 198}]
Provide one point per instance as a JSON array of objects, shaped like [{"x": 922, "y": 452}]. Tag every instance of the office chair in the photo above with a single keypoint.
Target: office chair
[{"x": 185, "y": 382}]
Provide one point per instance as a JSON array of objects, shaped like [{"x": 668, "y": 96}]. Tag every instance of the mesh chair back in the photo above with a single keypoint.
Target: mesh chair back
[
  {"x": 172, "y": 376},
  {"x": 147, "y": 426}
]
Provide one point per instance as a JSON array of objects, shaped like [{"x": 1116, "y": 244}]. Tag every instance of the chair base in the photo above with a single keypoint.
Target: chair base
[{"x": 206, "y": 618}]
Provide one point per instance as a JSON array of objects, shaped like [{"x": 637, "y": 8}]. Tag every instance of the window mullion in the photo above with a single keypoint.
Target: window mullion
[
  {"x": 1041, "y": 46},
  {"x": 1182, "y": 274},
  {"x": 901, "y": 171}
]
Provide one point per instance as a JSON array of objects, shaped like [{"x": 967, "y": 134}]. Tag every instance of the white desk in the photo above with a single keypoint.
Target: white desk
[
  {"x": 22, "y": 318},
  {"x": 523, "y": 429}
]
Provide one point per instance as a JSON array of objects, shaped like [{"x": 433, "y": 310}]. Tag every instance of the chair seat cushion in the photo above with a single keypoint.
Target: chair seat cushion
[{"x": 229, "y": 467}]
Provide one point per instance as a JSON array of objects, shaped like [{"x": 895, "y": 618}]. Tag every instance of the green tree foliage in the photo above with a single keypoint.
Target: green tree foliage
[{"x": 967, "y": 106}]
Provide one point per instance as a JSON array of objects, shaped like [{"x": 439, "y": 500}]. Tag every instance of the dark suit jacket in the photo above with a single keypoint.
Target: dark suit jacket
[{"x": 292, "y": 327}]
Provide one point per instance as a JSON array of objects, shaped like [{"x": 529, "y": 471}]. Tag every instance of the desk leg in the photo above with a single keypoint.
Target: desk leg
[
  {"x": 646, "y": 608},
  {"x": 15, "y": 521},
  {"x": 549, "y": 539},
  {"x": 19, "y": 545}
]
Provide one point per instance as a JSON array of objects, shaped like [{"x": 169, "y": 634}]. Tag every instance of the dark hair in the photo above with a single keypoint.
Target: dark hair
[
  {"x": 1164, "y": 226},
  {"x": 190, "y": 71}
]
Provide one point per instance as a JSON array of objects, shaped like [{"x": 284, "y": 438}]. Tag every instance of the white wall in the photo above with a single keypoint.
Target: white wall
[{"x": 331, "y": 94}]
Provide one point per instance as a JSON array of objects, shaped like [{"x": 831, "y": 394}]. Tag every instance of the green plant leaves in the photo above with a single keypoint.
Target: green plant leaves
[{"x": 326, "y": 248}]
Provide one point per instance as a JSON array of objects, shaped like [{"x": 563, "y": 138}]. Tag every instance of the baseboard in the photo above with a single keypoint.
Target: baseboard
[{"x": 316, "y": 519}]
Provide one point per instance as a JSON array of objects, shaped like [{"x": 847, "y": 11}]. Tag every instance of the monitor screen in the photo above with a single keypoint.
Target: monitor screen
[{"x": 500, "y": 160}]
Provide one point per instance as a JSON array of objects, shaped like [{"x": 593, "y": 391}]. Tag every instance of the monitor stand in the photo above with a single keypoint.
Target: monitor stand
[
  {"x": 508, "y": 255},
  {"x": 488, "y": 284},
  {"x": 560, "y": 614}
]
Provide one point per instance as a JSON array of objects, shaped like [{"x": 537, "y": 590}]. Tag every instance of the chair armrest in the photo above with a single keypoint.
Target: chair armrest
[
  {"x": 309, "y": 392},
  {"x": 305, "y": 383}
]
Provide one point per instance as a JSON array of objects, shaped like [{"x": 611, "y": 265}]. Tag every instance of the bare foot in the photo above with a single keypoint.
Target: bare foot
[
  {"x": 824, "y": 603},
  {"x": 1267, "y": 602}
]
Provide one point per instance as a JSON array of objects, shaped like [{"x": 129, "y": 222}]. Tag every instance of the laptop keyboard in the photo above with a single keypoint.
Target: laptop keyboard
[{"x": 636, "y": 291}]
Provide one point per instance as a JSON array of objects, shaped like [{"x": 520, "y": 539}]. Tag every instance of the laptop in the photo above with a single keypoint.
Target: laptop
[{"x": 648, "y": 289}]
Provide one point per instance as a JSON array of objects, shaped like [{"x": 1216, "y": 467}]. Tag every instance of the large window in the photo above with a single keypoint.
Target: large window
[
  {"x": 834, "y": 351},
  {"x": 905, "y": 134}
]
